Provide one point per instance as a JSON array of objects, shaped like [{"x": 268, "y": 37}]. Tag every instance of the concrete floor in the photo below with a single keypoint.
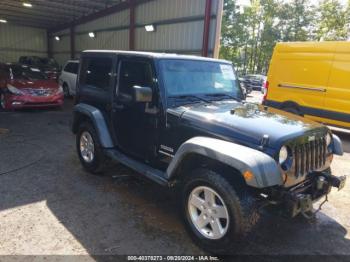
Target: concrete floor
[{"x": 50, "y": 205}]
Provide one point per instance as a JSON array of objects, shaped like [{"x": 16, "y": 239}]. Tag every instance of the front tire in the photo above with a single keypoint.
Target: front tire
[
  {"x": 217, "y": 215},
  {"x": 66, "y": 91},
  {"x": 3, "y": 102},
  {"x": 89, "y": 149}
]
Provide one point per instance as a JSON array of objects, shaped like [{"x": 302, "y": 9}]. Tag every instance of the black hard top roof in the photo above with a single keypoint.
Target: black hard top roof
[{"x": 155, "y": 55}]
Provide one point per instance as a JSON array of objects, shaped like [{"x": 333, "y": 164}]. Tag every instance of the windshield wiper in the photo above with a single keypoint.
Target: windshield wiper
[
  {"x": 223, "y": 96},
  {"x": 191, "y": 96}
]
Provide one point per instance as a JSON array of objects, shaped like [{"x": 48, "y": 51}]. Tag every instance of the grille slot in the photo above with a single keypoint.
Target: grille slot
[
  {"x": 309, "y": 156},
  {"x": 38, "y": 92}
]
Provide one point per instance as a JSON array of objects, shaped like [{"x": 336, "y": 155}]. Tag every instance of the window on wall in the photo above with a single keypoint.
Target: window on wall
[
  {"x": 97, "y": 72},
  {"x": 133, "y": 73}
]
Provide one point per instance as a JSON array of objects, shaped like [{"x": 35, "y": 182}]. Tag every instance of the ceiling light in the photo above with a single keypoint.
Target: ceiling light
[
  {"x": 27, "y": 4},
  {"x": 92, "y": 34},
  {"x": 150, "y": 28},
  {"x": 3, "y": 21},
  {"x": 57, "y": 38}
]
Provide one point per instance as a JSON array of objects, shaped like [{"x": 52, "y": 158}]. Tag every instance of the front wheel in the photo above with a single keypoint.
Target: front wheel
[
  {"x": 2, "y": 101},
  {"x": 217, "y": 215},
  {"x": 66, "y": 91}
]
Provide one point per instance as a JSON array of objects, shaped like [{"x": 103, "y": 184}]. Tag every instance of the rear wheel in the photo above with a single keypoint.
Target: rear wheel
[
  {"x": 216, "y": 215},
  {"x": 89, "y": 149}
]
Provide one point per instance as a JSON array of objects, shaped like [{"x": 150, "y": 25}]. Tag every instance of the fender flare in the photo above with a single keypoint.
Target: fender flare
[
  {"x": 264, "y": 168},
  {"x": 97, "y": 119}
]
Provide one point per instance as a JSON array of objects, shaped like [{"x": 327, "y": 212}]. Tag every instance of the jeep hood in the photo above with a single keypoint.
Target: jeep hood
[{"x": 246, "y": 122}]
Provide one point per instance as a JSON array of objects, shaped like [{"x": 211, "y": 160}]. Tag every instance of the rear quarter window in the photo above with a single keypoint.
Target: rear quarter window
[
  {"x": 71, "y": 68},
  {"x": 96, "y": 72}
]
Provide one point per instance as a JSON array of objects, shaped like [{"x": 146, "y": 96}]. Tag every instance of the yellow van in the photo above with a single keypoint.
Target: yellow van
[{"x": 311, "y": 79}]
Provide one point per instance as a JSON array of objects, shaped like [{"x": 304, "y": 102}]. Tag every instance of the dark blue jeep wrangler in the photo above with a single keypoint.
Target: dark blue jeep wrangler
[{"x": 181, "y": 122}]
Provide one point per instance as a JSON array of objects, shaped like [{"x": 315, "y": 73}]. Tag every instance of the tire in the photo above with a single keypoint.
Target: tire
[
  {"x": 3, "y": 102},
  {"x": 66, "y": 90},
  {"x": 241, "y": 209},
  {"x": 97, "y": 162}
]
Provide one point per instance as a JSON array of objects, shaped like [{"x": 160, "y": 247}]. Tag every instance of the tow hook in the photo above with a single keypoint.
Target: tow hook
[{"x": 312, "y": 214}]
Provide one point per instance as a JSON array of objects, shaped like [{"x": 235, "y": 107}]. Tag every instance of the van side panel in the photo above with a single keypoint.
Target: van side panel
[{"x": 300, "y": 74}]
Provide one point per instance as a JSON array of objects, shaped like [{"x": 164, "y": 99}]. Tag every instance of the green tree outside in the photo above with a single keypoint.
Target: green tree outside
[{"x": 249, "y": 33}]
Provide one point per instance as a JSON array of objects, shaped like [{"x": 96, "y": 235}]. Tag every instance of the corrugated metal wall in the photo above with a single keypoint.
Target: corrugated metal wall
[
  {"x": 179, "y": 29},
  {"x": 16, "y": 41}
]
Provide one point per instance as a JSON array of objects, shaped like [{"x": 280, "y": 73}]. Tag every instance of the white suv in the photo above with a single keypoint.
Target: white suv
[{"x": 68, "y": 77}]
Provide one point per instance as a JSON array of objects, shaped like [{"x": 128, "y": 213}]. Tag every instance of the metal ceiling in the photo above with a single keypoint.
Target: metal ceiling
[{"x": 51, "y": 13}]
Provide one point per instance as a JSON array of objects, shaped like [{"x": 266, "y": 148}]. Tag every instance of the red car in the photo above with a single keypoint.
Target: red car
[{"x": 24, "y": 86}]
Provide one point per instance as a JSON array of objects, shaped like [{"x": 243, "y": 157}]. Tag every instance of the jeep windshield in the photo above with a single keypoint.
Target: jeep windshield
[{"x": 199, "y": 79}]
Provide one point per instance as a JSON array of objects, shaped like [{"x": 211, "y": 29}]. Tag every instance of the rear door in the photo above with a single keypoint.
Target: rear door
[
  {"x": 337, "y": 101},
  {"x": 96, "y": 79}
]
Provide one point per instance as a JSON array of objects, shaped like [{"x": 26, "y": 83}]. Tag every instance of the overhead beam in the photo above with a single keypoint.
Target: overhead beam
[
  {"x": 5, "y": 14},
  {"x": 40, "y": 9},
  {"x": 108, "y": 11},
  {"x": 18, "y": 18},
  {"x": 89, "y": 3},
  {"x": 63, "y": 6},
  {"x": 15, "y": 9}
]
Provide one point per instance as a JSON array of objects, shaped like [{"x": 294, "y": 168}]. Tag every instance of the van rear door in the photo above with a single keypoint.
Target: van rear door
[{"x": 337, "y": 101}]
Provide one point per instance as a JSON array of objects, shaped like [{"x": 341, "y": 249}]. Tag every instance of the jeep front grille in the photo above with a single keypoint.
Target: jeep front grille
[{"x": 310, "y": 156}]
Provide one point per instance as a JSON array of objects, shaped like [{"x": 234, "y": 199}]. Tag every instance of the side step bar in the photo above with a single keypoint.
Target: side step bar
[{"x": 156, "y": 175}]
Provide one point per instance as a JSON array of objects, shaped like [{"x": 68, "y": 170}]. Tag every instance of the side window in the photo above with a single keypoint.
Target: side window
[
  {"x": 75, "y": 67},
  {"x": 96, "y": 72},
  {"x": 68, "y": 68},
  {"x": 134, "y": 73}
]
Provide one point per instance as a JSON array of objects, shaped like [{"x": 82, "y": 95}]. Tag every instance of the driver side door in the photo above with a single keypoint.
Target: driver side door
[{"x": 135, "y": 123}]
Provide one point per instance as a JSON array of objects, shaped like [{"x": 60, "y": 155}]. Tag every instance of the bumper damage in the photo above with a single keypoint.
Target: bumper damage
[{"x": 300, "y": 198}]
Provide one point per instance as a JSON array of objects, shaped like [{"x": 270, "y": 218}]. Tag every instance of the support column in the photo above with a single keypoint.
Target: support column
[
  {"x": 49, "y": 44},
  {"x": 205, "y": 46},
  {"x": 132, "y": 25},
  {"x": 72, "y": 42}
]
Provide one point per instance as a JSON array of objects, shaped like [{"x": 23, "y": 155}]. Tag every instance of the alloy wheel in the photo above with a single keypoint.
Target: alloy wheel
[
  {"x": 87, "y": 147},
  {"x": 208, "y": 212}
]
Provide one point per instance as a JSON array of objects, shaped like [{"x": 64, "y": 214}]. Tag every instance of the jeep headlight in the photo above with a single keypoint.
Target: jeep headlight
[
  {"x": 283, "y": 155},
  {"x": 14, "y": 90},
  {"x": 328, "y": 139}
]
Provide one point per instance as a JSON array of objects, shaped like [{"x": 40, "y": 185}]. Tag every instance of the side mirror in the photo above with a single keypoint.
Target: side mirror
[{"x": 142, "y": 94}]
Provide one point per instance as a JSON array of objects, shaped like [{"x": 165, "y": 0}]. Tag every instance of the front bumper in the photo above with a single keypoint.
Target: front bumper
[
  {"x": 28, "y": 101},
  {"x": 300, "y": 198}
]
